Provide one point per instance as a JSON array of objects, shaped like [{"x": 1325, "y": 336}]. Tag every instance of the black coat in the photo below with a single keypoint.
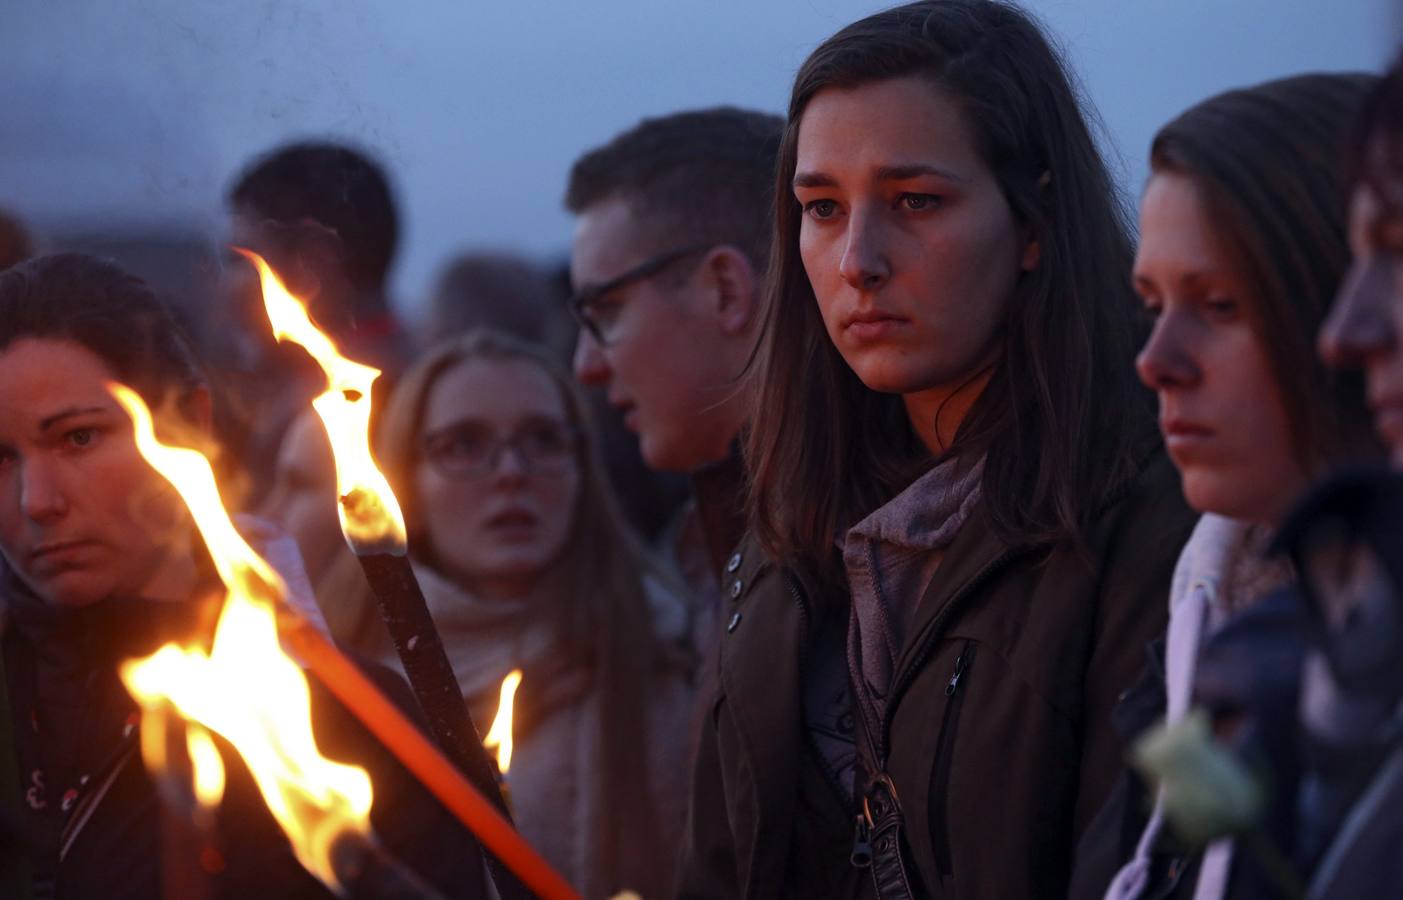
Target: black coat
[
  {"x": 114, "y": 840},
  {"x": 997, "y": 743}
]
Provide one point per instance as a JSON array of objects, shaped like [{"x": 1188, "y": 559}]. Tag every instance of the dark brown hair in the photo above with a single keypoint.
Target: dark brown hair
[
  {"x": 108, "y": 311},
  {"x": 1058, "y": 421},
  {"x": 1376, "y": 146},
  {"x": 702, "y": 175},
  {"x": 1268, "y": 162}
]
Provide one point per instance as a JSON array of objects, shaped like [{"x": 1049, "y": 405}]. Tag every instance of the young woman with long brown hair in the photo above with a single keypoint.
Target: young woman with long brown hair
[
  {"x": 1242, "y": 249},
  {"x": 960, "y": 506},
  {"x": 527, "y": 563}
]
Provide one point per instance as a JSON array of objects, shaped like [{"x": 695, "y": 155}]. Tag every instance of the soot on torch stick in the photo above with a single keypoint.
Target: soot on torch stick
[{"x": 420, "y": 650}]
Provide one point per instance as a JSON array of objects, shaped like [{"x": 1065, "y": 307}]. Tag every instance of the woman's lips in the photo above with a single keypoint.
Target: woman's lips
[
  {"x": 873, "y": 325},
  {"x": 513, "y": 524},
  {"x": 58, "y": 554},
  {"x": 1182, "y": 435}
]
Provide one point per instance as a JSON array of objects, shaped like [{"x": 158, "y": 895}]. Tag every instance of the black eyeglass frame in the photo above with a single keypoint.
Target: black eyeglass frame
[
  {"x": 581, "y": 300},
  {"x": 573, "y": 436}
]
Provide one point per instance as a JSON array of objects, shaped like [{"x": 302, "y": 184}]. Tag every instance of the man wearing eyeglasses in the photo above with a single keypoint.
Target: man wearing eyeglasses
[{"x": 670, "y": 244}]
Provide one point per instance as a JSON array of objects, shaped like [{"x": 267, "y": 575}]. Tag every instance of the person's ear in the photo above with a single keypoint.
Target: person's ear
[
  {"x": 1032, "y": 249},
  {"x": 734, "y": 284}
]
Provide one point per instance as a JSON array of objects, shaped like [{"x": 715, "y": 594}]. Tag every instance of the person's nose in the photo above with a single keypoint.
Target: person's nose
[
  {"x": 1167, "y": 360},
  {"x": 42, "y": 496},
  {"x": 509, "y": 466},
  {"x": 591, "y": 366},
  {"x": 1360, "y": 325},
  {"x": 865, "y": 264}
]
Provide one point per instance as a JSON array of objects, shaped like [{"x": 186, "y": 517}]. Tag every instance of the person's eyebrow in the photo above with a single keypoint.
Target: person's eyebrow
[
  {"x": 885, "y": 173},
  {"x": 50, "y": 421},
  {"x": 813, "y": 180},
  {"x": 915, "y": 170},
  {"x": 460, "y": 424}
]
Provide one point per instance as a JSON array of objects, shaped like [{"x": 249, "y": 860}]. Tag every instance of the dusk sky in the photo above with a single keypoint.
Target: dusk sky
[{"x": 134, "y": 114}]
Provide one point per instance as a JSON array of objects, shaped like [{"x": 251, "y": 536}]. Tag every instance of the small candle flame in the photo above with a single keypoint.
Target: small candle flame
[
  {"x": 500, "y": 734},
  {"x": 245, "y": 688},
  {"x": 370, "y": 515}
]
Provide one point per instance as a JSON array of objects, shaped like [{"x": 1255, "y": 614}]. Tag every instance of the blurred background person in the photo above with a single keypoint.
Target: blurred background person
[
  {"x": 501, "y": 291},
  {"x": 1347, "y": 542},
  {"x": 302, "y": 497},
  {"x": 1242, "y": 249},
  {"x": 527, "y": 563},
  {"x": 671, "y": 237},
  {"x": 324, "y": 217},
  {"x": 1365, "y": 328},
  {"x": 508, "y": 293}
]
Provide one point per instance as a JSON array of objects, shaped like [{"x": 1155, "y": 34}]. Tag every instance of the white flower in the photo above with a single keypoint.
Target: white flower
[{"x": 1205, "y": 791}]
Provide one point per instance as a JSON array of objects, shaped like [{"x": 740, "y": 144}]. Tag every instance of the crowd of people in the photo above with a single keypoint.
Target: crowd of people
[{"x": 905, "y": 501}]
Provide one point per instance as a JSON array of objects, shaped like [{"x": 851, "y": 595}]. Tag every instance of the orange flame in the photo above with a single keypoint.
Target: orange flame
[
  {"x": 245, "y": 688},
  {"x": 370, "y": 515},
  {"x": 500, "y": 734},
  {"x": 209, "y": 766}
]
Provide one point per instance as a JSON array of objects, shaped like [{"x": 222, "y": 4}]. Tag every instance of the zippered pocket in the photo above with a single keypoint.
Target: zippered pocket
[{"x": 955, "y": 689}]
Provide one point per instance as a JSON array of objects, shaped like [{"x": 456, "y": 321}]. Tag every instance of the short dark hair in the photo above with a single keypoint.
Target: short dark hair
[
  {"x": 109, "y": 312},
  {"x": 338, "y": 187},
  {"x": 1268, "y": 162},
  {"x": 696, "y": 176}
]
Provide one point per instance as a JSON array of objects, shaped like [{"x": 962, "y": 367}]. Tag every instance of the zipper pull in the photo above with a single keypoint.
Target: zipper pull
[
  {"x": 862, "y": 844},
  {"x": 960, "y": 663}
]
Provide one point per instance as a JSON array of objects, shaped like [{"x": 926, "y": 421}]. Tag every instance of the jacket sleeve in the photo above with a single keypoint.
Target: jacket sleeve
[
  {"x": 708, "y": 865},
  {"x": 1148, "y": 530}
]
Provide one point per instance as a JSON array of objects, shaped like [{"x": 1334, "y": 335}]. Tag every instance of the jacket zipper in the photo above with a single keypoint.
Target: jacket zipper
[
  {"x": 877, "y": 744},
  {"x": 944, "y": 752},
  {"x": 928, "y": 641},
  {"x": 961, "y": 664}
]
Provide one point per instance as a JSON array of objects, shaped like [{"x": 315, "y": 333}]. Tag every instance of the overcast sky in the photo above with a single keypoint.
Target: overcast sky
[{"x": 120, "y": 114}]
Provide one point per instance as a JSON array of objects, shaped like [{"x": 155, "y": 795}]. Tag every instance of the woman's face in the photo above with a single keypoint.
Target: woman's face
[
  {"x": 82, "y": 516},
  {"x": 1220, "y": 409},
  {"x": 303, "y": 499},
  {"x": 1365, "y": 328},
  {"x": 497, "y": 476},
  {"x": 906, "y": 237}
]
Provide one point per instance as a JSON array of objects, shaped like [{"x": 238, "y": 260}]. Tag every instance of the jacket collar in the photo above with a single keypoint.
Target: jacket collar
[{"x": 976, "y": 553}]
